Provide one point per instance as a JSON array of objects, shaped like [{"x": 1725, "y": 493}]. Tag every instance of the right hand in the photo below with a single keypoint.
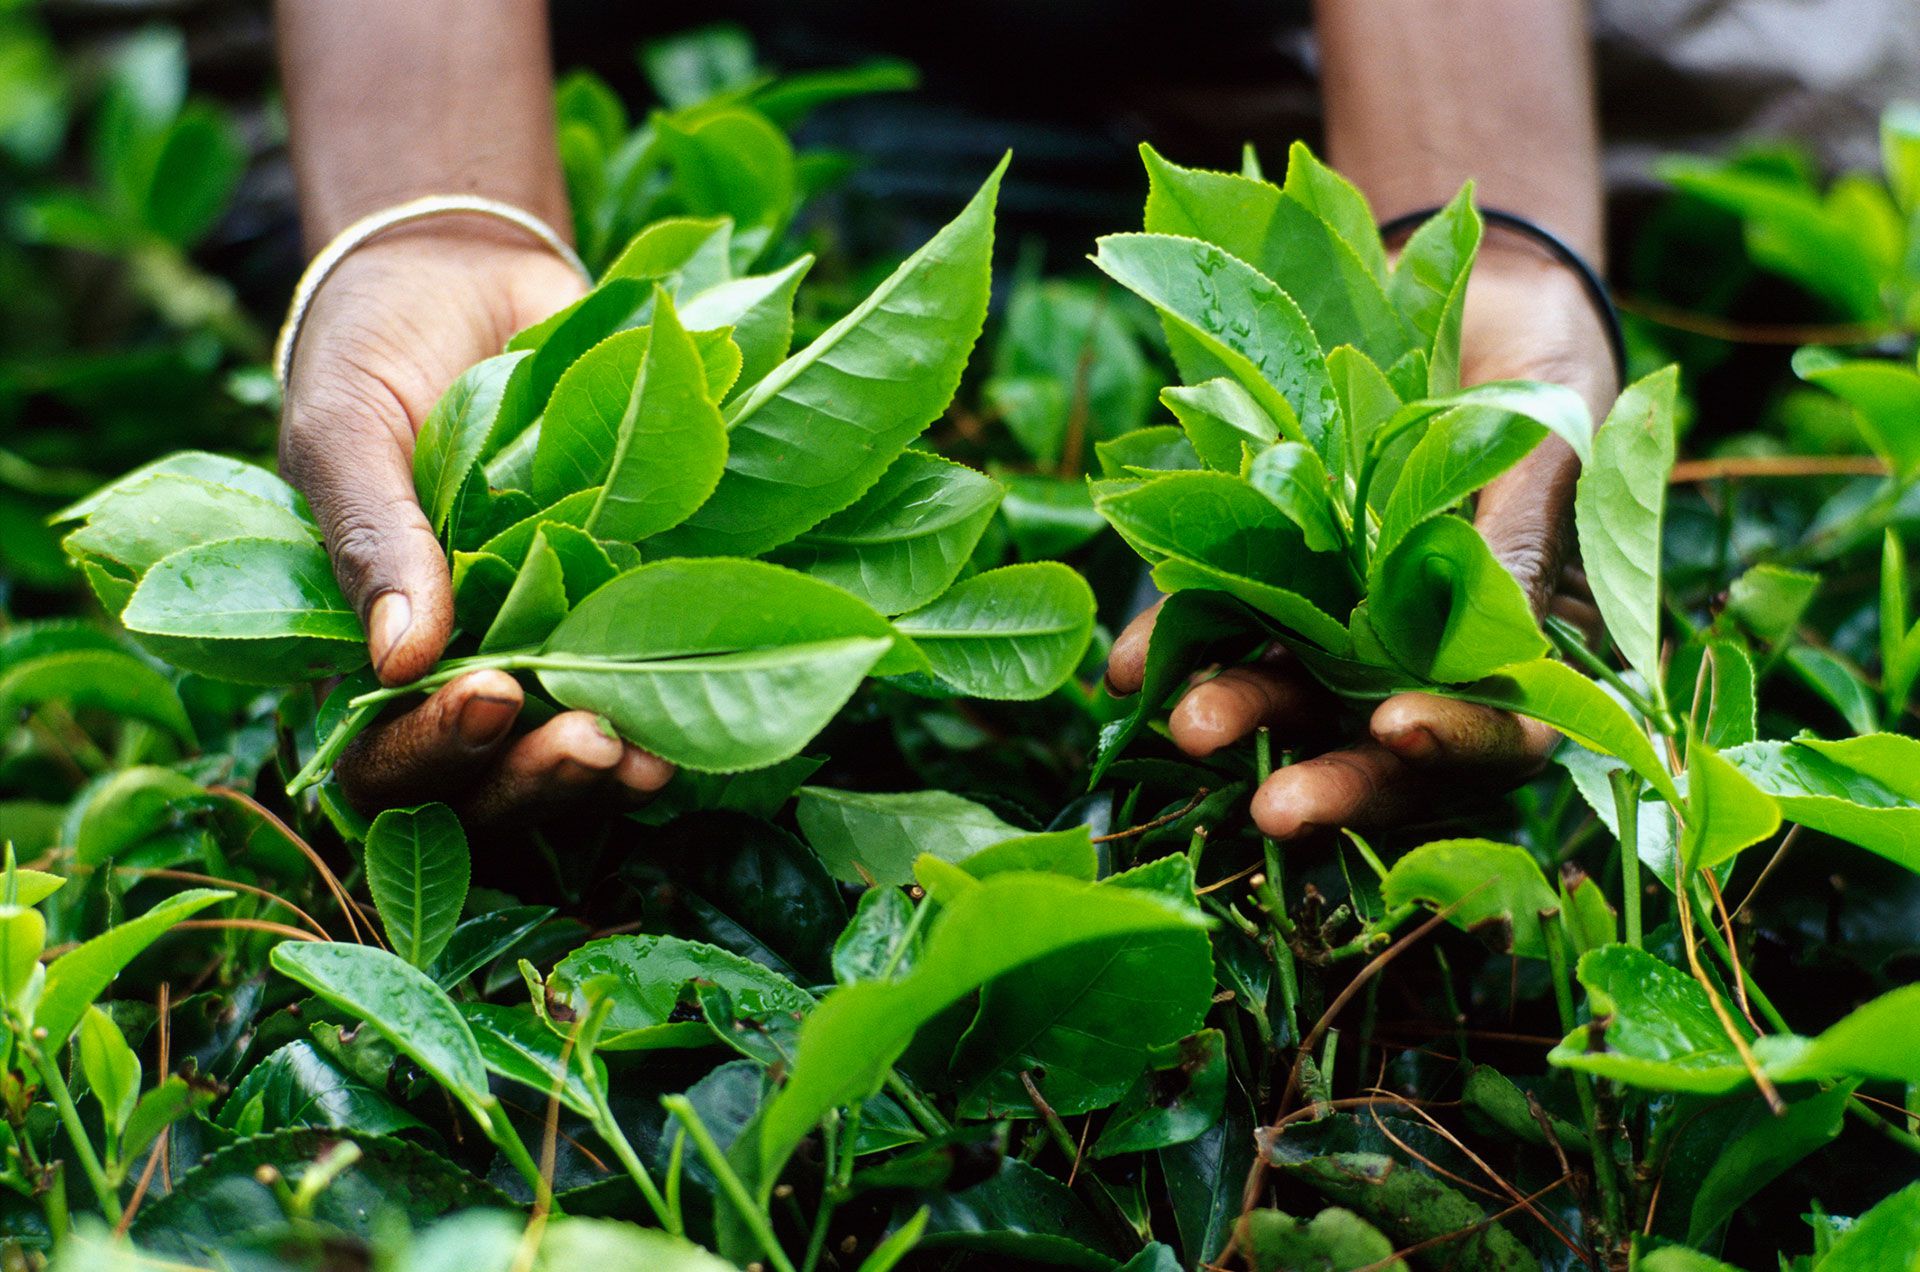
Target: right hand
[{"x": 401, "y": 317}]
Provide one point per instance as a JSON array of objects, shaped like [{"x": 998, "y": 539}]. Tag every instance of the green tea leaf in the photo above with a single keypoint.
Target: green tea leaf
[
  {"x": 1012, "y": 633},
  {"x": 517, "y": 1047},
  {"x": 535, "y": 602},
  {"x": 1447, "y": 610},
  {"x": 1768, "y": 1145},
  {"x": 1885, "y": 1237},
  {"x": 163, "y": 512},
  {"x": 1461, "y": 451},
  {"x": 84, "y": 972},
  {"x": 904, "y": 541},
  {"x": 1620, "y": 508},
  {"x": 1862, "y": 790},
  {"x": 1182, "y": 1093},
  {"x": 1081, "y": 1023},
  {"x": 418, "y": 870},
  {"x": 873, "y": 838},
  {"x": 109, "y": 680},
  {"x": 715, "y": 665},
  {"x": 856, "y": 1033},
  {"x": 263, "y": 611},
  {"x": 1236, "y": 320},
  {"x": 1556, "y": 694},
  {"x": 1221, "y": 419},
  {"x": 297, "y": 1085},
  {"x": 1885, "y": 395},
  {"x": 810, "y": 438},
  {"x": 647, "y": 977},
  {"x": 1429, "y": 285},
  {"x": 1220, "y": 533},
  {"x": 758, "y": 310},
  {"x": 112, "y": 1070},
  {"x": 401, "y": 1004},
  {"x": 1497, "y": 889},
  {"x": 1770, "y": 599},
  {"x": 23, "y": 938},
  {"x": 1283, "y": 235},
  {"x": 1725, "y": 810},
  {"x": 734, "y": 163},
  {"x": 455, "y": 434},
  {"x": 1293, "y": 478}
]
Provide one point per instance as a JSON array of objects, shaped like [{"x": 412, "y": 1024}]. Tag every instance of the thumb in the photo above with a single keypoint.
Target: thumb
[{"x": 346, "y": 444}]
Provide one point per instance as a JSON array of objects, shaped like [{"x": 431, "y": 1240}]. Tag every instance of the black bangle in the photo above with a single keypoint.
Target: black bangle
[{"x": 1590, "y": 280}]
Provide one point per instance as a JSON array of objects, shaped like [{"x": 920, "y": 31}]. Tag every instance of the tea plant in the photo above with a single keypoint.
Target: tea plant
[{"x": 797, "y": 1014}]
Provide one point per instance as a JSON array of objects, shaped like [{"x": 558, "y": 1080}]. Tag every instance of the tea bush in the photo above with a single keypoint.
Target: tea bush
[{"x": 934, "y": 953}]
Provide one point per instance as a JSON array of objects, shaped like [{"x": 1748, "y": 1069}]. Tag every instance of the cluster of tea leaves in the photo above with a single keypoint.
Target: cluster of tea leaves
[{"x": 800, "y": 1014}]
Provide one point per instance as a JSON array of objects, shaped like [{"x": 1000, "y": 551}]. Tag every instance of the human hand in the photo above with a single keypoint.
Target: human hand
[
  {"x": 1526, "y": 318},
  {"x": 397, "y": 321}
]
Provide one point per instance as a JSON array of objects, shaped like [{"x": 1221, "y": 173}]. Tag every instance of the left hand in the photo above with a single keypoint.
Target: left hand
[{"x": 1527, "y": 317}]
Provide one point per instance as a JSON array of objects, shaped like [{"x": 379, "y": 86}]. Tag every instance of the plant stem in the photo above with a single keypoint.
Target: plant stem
[
  {"x": 315, "y": 770},
  {"x": 1626, "y": 811},
  {"x": 493, "y": 1119},
  {"x": 616, "y": 1139},
  {"x": 1574, "y": 647},
  {"x": 925, "y": 1114},
  {"x": 751, "y": 1214},
  {"x": 56, "y": 1085},
  {"x": 1276, "y": 867},
  {"x": 1604, "y": 1175}
]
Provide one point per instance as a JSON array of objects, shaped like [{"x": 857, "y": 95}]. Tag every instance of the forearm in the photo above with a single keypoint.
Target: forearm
[
  {"x": 393, "y": 99},
  {"x": 1423, "y": 94}
]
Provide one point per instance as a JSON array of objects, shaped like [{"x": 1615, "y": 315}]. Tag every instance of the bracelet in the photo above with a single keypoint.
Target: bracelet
[
  {"x": 376, "y": 223},
  {"x": 1559, "y": 249}
]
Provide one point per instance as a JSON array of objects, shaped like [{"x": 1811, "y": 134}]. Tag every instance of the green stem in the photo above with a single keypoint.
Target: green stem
[
  {"x": 906, "y": 940},
  {"x": 316, "y": 769},
  {"x": 1626, "y": 811},
  {"x": 609, "y": 1130},
  {"x": 493, "y": 1120},
  {"x": 1573, "y": 647},
  {"x": 1276, "y": 866},
  {"x": 1604, "y": 1174},
  {"x": 56, "y": 1203},
  {"x": 751, "y": 1214},
  {"x": 56, "y": 1085},
  {"x": 918, "y": 1109}
]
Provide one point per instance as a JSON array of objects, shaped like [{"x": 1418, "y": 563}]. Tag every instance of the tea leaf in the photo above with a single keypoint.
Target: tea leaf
[
  {"x": 401, "y": 1004},
  {"x": 1620, "y": 507},
  {"x": 1213, "y": 530},
  {"x": 517, "y": 1047},
  {"x": 856, "y": 1033},
  {"x": 715, "y": 665},
  {"x": 1012, "y": 633},
  {"x": 418, "y": 870},
  {"x": 1447, "y": 610},
  {"x": 1886, "y": 396},
  {"x": 1461, "y": 451},
  {"x": 810, "y": 438},
  {"x": 646, "y": 979},
  {"x": 1221, "y": 418},
  {"x": 455, "y": 433},
  {"x": 1498, "y": 889},
  {"x": 112, "y": 1070},
  {"x": 535, "y": 603},
  {"x": 95, "y": 679},
  {"x": 163, "y": 512},
  {"x": 1725, "y": 810},
  {"x": 875, "y": 838},
  {"x": 758, "y": 310},
  {"x": 264, "y": 611},
  {"x": 1429, "y": 286},
  {"x": 1294, "y": 479},
  {"x": 904, "y": 541},
  {"x": 83, "y": 973},
  {"x": 1235, "y": 319}
]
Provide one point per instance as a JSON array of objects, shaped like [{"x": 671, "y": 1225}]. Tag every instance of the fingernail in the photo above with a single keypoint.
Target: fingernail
[
  {"x": 484, "y": 721},
  {"x": 387, "y": 623},
  {"x": 1304, "y": 830},
  {"x": 1415, "y": 743}
]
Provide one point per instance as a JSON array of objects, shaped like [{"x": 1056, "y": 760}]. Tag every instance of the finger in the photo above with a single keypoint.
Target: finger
[
  {"x": 1435, "y": 733},
  {"x": 642, "y": 772},
  {"x": 1361, "y": 786},
  {"x": 432, "y": 750},
  {"x": 1225, "y": 709},
  {"x": 1583, "y": 616},
  {"x": 347, "y": 443},
  {"x": 1523, "y": 516},
  {"x": 1127, "y": 660},
  {"x": 568, "y": 757}
]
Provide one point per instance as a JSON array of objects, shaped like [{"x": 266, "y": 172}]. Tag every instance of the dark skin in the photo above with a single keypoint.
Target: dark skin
[{"x": 455, "y": 96}]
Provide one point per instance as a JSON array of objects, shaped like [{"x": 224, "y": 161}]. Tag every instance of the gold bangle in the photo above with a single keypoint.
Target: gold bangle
[{"x": 376, "y": 223}]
